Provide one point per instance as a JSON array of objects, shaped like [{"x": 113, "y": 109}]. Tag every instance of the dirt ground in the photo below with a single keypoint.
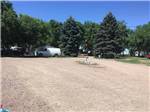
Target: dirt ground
[{"x": 64, "y": 85}]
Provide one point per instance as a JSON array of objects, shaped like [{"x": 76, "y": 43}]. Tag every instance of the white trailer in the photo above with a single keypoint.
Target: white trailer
[{"x": 47, "y": 51}]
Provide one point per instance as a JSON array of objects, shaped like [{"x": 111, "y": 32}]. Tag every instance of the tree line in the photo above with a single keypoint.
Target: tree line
[{"x": 106, "y": 40}]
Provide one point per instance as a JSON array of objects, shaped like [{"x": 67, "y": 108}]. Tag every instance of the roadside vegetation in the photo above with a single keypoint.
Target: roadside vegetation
[
  {"x": 105, "y": 40},
  {"x": 135, "y": 60}
]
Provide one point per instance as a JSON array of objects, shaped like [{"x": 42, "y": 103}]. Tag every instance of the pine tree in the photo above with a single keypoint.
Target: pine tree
[
  {"x": 108, "y": 40},
  {"x": 71, "y": 38},
  {"x": 90, "y": 29}
]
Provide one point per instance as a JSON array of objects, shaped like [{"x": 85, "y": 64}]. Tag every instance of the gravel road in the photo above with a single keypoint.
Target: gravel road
[{"x": 65, "y": 85}]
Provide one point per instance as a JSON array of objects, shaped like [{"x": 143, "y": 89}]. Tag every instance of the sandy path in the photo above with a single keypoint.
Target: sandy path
[{"x": 62, "y": 84}]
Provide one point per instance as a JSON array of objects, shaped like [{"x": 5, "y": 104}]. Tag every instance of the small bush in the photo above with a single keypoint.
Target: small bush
[{"x": 108, "y": 55}]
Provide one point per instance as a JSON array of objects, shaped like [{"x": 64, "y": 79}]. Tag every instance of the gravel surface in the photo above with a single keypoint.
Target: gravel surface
[{"x": 65, "y": 85}]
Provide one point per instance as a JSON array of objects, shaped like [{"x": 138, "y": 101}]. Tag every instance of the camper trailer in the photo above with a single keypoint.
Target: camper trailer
[{"x": 47, "y": 51}]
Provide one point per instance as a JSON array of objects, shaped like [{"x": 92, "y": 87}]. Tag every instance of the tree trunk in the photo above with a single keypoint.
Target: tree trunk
[{"x": 139, "y": 52}]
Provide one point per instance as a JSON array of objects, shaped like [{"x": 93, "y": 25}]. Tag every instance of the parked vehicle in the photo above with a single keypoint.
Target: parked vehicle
[
  {"x": 47, "y": 51},
  {"x": 12, "y": 51},
  {"x": 18, "y": 51},
  {"x": 148, "y": 56}
]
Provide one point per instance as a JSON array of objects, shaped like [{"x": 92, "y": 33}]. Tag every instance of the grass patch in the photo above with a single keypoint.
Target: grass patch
[{"x": 135, "y": 60}]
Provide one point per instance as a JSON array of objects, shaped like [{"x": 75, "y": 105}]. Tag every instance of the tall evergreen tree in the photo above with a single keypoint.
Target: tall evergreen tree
[
  {"x": 108, "y": 40},
  {"x": 90, "y": 29},
  {"x": 71, "y": 38}
]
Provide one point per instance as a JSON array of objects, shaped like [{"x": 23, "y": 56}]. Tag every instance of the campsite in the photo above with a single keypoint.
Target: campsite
[{"x": 79, "y": 56}]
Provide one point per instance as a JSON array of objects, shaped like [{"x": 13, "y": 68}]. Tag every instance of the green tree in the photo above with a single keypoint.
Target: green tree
[
  {"x": 124, "y": 33},
  {"x": 32, "y": 31},
  {"x": 54, "y": 28},
  {"x": 70, "y": 38},
  {"x": 90, "y": 29},
  {"x": 9, "y": 25},
  {"x": 44, "y": 37},
  {"x": 108, "y": 40},
  {"x": 139, "y": 40},
  {"x": 146, "y": 38}
]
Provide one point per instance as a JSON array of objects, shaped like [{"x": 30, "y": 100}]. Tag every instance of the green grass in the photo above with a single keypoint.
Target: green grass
[{"x": 135, "y": 60}]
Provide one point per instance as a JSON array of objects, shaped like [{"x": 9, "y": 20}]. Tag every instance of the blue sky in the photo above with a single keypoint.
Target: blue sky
[{"x": 133, "y": 13}]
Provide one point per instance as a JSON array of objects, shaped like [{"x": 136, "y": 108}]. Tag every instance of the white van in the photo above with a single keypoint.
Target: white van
[{"x": 47, "y": 51}]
